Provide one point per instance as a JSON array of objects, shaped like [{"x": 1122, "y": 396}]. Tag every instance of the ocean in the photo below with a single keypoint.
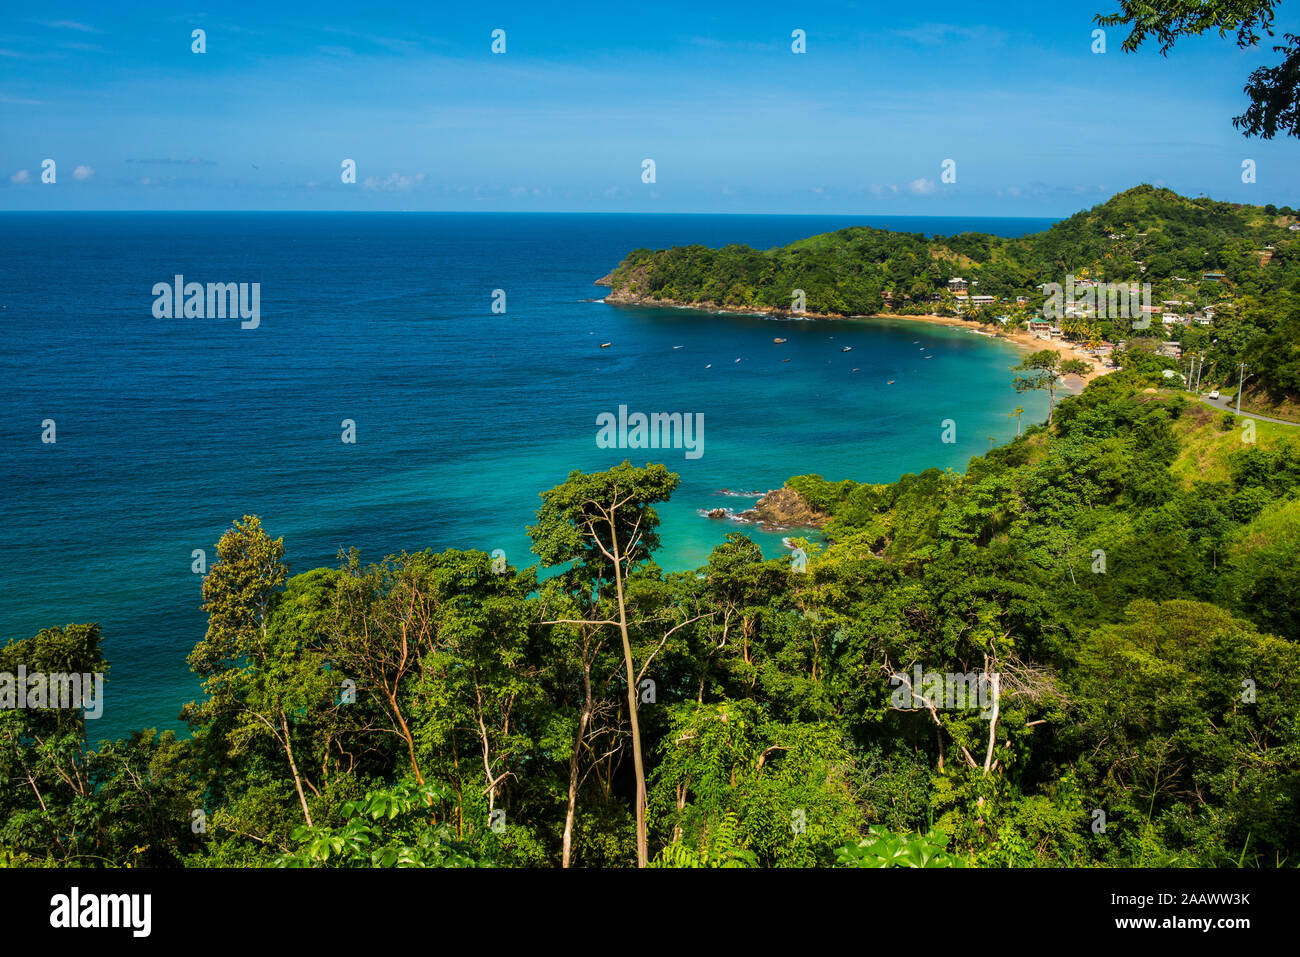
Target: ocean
[{"x": 169, "y": 429}]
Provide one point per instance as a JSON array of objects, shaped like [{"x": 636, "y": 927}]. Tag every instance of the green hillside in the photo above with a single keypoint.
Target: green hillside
[{"x": 1116, "y": 590}]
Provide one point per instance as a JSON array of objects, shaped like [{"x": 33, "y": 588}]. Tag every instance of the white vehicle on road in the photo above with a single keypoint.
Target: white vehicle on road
[{"x": 1214, "y": 394}]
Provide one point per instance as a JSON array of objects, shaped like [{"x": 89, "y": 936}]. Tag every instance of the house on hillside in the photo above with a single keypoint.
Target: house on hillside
[
  {"x": 1213, "y": 277},
  {"x": 958, "y": 286},
  {"x": 1171, "y": 349}
]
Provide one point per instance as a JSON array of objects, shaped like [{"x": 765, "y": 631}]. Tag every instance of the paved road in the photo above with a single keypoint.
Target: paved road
[{"x": 1227, "y": 406}]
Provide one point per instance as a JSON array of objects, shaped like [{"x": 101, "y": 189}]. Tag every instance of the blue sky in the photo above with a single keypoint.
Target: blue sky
[{"x": 861, "y": 123}]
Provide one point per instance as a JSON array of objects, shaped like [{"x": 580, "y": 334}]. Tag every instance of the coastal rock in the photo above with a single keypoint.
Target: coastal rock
[
  {"x": 717, "y": 513},
  {"x": 784, "y": 508}
]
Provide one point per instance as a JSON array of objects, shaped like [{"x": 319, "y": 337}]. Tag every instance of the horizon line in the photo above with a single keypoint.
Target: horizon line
[{"x": 532, "y": 212}]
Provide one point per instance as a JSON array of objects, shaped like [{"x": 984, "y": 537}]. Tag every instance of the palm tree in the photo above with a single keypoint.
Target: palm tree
[{"x": 1019, "y": 411}]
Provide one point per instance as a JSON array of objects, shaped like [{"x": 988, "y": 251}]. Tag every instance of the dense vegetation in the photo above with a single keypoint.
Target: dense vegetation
[
  {"x": 1129, "y": 575},
  {"x": 1143, "y": 235}
]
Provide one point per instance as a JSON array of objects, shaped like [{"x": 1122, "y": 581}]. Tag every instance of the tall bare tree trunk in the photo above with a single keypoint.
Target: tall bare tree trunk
[
  {"x": 994, "y": 682},
  {"x": 406, "y": 733},
  {"x": 642, "y": 859},
  {"x": 572, "y": 808},
  {"x": 293, "y": 766},
  {"x": 487, "y": 750}
]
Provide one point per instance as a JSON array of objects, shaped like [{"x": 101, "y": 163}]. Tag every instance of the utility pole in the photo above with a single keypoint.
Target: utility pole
[{"x": 1241, "y": 381}]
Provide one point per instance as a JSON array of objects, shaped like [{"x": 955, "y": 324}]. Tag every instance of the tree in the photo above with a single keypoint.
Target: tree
[
  {"x": 254, "y": 681},
  {"x": 1016, "y": 413},
  {"x": 606, "y": 524},
  {"x": 1045, "y": 368},
  {"x": 384, "y": 618},
  {"x": 44, "y": 757},
  {"x": 1274, "y": 92},
  {"x": 478, "y": 671},
  {"x": 580, "y": 652}
]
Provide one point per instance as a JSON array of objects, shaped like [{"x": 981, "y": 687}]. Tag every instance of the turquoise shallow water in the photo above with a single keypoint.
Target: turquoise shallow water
[{"x": 168, "y": 430}]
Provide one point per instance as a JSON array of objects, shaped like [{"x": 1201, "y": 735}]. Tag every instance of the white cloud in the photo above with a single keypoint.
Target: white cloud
[
  {"x": 22, "y": 176},
  {"x": 83, "y": 172},
  {"x": 71, "y": 25},
  {"x": 922, "y": 186},
  {"x": 393, "y": 182},
  {"x": 937, "y": 34}
]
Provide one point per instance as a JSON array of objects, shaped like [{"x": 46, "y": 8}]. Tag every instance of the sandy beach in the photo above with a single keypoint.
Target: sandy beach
[{"x": 1020, "y": 338}]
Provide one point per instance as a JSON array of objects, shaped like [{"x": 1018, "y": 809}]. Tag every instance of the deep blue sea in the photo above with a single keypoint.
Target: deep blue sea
[{"x": 170, "y": 429}]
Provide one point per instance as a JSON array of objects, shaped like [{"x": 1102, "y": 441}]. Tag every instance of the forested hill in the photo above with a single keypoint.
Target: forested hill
[
  {"x": 1143, "y": 235},
  {"x": 854, "y": 270}
]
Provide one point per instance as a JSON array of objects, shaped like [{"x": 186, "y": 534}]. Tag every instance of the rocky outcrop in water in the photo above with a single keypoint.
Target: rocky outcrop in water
[{"x": 784, "y": 508}]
